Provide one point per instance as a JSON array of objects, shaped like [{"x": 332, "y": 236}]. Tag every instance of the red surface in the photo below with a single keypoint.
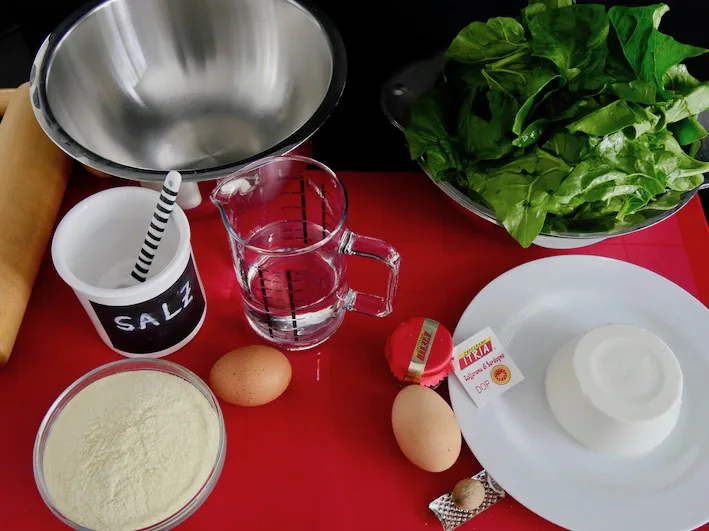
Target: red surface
[{"x": 323, "y": 455}]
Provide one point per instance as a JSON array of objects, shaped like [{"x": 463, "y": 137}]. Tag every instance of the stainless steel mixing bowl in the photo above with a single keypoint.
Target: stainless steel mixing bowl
[{"x": 133, "y": 88}]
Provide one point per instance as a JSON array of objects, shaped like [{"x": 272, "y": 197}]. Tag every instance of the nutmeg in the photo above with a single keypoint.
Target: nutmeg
[{"x": 468, "y": 494}]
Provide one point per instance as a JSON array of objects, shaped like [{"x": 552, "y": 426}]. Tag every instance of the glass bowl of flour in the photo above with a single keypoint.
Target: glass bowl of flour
[{"x": 132, "y": 445}]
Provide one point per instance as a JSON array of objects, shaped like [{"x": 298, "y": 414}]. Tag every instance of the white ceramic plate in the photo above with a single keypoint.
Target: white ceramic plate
[{"x": 535, "y": 309}]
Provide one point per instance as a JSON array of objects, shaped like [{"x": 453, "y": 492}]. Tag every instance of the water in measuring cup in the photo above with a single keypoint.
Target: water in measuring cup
[{"x": 298, "y": 300}]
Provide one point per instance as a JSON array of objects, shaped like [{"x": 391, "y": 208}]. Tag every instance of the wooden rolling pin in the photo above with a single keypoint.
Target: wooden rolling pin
[
  {"x": 33, "y": 176},
  {"x": 5, "y": 97}
]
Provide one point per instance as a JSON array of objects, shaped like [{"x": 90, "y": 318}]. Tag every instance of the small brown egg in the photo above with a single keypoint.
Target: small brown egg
[
  {"x": 250, "y": 376},
  {"x": 468, "y": 494},
  {"x": 425, "y": 428}
]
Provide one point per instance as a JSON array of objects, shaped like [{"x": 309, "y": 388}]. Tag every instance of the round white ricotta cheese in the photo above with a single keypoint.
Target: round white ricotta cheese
[{"x": 617, "y": 389}]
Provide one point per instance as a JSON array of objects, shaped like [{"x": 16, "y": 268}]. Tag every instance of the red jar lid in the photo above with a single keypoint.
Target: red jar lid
[{"x": 420, "y": 350}]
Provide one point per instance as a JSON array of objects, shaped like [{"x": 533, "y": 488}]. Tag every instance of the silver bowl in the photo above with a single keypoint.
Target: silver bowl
[
  {"x": 405, "y": 86},
  {"x": 134, "y": 88}
]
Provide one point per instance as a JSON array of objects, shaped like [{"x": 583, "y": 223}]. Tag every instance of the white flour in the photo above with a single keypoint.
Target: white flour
[{"x": 130, "y": 450}]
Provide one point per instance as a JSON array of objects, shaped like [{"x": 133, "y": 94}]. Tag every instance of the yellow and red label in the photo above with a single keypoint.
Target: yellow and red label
[
  {"x": 500, "y": 374},
  {"x": 422, "y": 350},
  {"x": 474, "y": 353}
]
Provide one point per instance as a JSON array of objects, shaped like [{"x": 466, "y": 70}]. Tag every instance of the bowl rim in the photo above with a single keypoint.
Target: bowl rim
[
  {"x": 128, "y": 195},
  {"x": 118, "y": 367},
  {"x": 46, "y": 119},
  {"x": 486, "y": 213}
]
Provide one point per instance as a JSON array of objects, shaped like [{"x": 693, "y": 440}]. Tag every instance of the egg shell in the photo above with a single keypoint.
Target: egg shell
[
  {"x": 250, "y": 376},
  {"x": 425, "y": 428}
]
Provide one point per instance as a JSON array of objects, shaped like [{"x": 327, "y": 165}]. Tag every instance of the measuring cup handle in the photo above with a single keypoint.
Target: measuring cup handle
[{"x": 375, "y": 249}]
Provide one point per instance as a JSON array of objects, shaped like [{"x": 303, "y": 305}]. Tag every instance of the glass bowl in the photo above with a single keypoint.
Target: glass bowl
[{"x": 120, "y": 367}]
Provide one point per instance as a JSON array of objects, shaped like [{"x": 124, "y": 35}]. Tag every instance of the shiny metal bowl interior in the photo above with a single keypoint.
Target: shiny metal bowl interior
[
  {"x": 402, "y": 89},
  {"x": 189, "y": 84}
]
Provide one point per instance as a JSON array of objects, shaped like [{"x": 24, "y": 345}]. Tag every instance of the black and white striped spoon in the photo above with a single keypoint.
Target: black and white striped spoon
[{"x": 161, "y": 215}]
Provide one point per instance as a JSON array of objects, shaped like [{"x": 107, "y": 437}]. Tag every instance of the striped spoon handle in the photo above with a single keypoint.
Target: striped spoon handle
[{"x": 161, "y": 215}]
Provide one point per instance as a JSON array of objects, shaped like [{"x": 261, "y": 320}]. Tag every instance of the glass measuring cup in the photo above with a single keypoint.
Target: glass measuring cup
[{"x": 289, "y": 243}]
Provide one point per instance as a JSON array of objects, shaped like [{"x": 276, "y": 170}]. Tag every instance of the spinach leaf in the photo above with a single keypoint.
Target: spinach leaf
[
  {"x": 476, "y": 181},
  {"x": 465, "y": 78},
  {"x": 538, "y": 80},
  {"x": 614, "y": 117},
  {"x": 650, "y": 53},
  {"x": 574, "y": 39},
  {"x": 599, "y": 209},
  {"x": 518, "y": 202},
  {"x": 536, "y": 130},
  {"x": 617, "y": 68},
  {"x": 636, "y": 91},
  {"x": 537, "y": 6},
  {"x": 580, "y": 108},
  {"x": 509, "y": 75},
  {"x": 531, "y": 11},
  {"x": 683, "y": 173},
  {"x": 523, "y": 78},
  {"x": 606, "y": 120},
  {"x": 678, "y": 79},
  {"x": 482, "y": 42},
  {"x": 687, "y": 131},
  {"x": 618, "y": 166},
  {"x": 427, "y": 136},
  {"x": 600, "y": 216},
  {"x": 523, "y": 164},
  {"x": 518, "y": 193},
  {"x": 572, "y": 148},
  {"x": 569, "y": 119},
  {"x": 486, "y": 140},
  {"x": 552, "y": 4},
  {"x": 532, "y": 133},
  {"x": 693, "y": 148},
  {"x": 691, "y": 104},
  {"x": 626, "y": 154},
  {"x": 666, "y": 201},
  {"x": 634, "y": 203}
]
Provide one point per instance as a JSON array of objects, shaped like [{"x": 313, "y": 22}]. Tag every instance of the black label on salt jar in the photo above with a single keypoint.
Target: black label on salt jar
[{"x": 159, "y": 323}]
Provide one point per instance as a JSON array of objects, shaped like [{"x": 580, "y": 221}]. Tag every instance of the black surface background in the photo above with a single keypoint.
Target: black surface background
[{"x": 380, "y": 36}]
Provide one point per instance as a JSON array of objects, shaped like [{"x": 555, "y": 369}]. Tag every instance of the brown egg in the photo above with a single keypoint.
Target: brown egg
[
  {"x": 250, "y": 376},
  {"x": 425, "y": 428}
]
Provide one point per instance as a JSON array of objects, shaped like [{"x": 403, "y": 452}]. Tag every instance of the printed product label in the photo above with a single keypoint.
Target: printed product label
[
  {"x": 484, "y": 367},
  {"x": 422, "y": 350}
]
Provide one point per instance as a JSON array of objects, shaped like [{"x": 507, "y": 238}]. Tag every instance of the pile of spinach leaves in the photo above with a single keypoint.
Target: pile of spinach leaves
[{"x": 569, "y": 117}]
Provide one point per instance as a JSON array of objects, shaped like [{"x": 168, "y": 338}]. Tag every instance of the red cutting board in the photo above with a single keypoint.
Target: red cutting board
[{"x": 322, "y": 456}]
